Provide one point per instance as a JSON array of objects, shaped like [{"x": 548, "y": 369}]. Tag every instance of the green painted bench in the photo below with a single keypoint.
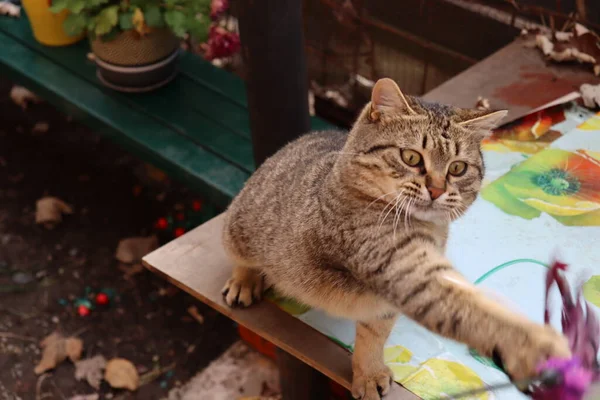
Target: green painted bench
[{"x": 196, "y": 128}]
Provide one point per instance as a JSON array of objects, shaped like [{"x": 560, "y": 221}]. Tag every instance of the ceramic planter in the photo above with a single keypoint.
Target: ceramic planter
[
  {"x": 134, "y": 63},
  {"x": 47, "y": 27}
]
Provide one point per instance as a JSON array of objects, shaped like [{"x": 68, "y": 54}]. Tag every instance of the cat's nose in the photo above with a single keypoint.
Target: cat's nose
[{"x": 435, "y": 192}]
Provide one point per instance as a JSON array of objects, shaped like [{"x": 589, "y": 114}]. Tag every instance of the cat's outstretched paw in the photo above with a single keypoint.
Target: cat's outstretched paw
[
  {"x": 244, "y": 288},
  {"x": 373, "y": 385}
]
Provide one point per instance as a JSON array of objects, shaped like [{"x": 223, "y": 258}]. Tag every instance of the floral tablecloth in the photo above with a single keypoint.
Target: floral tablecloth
[{"x": 541, "y": 197}]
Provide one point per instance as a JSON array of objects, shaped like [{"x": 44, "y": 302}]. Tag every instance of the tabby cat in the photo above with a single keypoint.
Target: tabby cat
[{"x": 356, "y": 224}]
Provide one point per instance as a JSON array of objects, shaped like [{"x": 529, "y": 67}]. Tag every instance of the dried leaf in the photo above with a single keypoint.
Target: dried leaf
[
  {"x": 131, "y": 250},
  {"x": 22, "y": 97},
  {"x": 56, "y": 349},
  {"x": 40, "y": 127},
  {"x": 139, "y": 23},
  {"x": 49, "y": 211},
  {"x": 91, "y": 370},
  {"x": 131, "y": 270},
  {"x": 482, "y": 103},
  {"x": 193, "y": 311},
  {"x": 93, "y": 396},
  {"x": 590, "y": 95},
  {"x": 580, "y": 45},
  {"x": 7, "y": 8},
  {"x": 122, "y": 374}
]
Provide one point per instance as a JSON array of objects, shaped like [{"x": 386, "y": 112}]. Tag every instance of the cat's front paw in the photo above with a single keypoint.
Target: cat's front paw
[
  {"x": 372, "y": 385},
  {"x": 521, "y": 356},
  {"x": 244, "y": 288}
]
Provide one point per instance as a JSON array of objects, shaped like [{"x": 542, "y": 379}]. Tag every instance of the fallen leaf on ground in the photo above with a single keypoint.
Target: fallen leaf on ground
[
  {"x": 168, "y": 291},
  {"x": 131, "y": 270},
  {"x": 590, "y": 95},
  {"x": 131, "y": 250},
  {"x": 40, "y": 127},
  {"x": 7, "y": 8},
  {"x": 93, "y": 396},
  {"x": 49, "y": 211},
  {"x": 193, "y": 311},
  {"x": 122, "y": 374},
  {"x": 22, "y": 97},
  {"x": 58, "y": 348},
  {"x": 91, "y": 369}
]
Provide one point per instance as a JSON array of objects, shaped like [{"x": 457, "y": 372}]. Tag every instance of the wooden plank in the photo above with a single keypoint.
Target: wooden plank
[
  {"x": 515, "y": 78},
  {"x": 196, "y": 263},
  {"x": 218, "y": 179},
  {"x": 208, "y": 119}
]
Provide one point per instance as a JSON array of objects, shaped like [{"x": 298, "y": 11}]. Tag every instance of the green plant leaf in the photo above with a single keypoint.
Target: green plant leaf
[
  {"x": 75, "y": 24},
  {"x": 154, "y": 17},
  {"x": 59, "y": 5},
  {"x": 110, "y": 35},
  {"x": 126, "y": 21},
  {"x": 77, "y": 6},
  {"x": 95, "y": 3},
  {"x": 198, "y": 27},
  {"x": 177, "y": 22},
  {"x": 106, "y": 20}
]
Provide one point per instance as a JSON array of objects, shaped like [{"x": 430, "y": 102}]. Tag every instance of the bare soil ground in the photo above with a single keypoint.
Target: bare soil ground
[{"x": 42, "y": 272}]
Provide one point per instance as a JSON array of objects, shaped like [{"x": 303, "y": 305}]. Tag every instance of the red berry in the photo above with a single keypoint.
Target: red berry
[
  {"x": 162, "y": 223},
  {"x": 179, "y": 232},
  {"x": 197, "y": 205},
  {"x": 102, "y": 299},
  {"x": 179, "y": 216},
  {"x": 83, "y": 311}
]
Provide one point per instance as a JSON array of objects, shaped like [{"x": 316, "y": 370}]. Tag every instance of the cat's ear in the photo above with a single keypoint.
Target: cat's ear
[
  {"x": 387, "y": 98},
  {"x": 482, "y": 122}
]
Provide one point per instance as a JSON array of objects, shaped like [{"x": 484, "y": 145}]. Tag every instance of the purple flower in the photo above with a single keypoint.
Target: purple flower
[{"x": 580, "y": 326}]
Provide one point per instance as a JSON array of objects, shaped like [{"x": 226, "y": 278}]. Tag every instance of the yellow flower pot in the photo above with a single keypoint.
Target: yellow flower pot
[{"x": 48, "y": 27}]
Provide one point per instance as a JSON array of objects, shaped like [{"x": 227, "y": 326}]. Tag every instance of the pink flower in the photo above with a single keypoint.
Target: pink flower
[
  {"x": 217, "y": 8},
  {"x": 221, "y": 43}
]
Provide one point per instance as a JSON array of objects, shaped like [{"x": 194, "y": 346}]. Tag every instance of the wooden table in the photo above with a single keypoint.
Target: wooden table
[
  {"x": 515, "y": 78},
  {"x": 196, "y": 263}
]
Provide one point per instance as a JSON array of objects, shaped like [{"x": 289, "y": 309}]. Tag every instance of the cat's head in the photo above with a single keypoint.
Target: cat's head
[{"x": 424, "y": 158}]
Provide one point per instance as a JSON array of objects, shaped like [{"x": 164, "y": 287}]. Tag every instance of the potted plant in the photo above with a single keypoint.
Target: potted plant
[
  {"x": 47, "y": 26},
  {"x": 136, "y": 42}
]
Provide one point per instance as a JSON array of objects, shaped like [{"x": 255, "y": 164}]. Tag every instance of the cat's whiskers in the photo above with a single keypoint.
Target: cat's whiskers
[
  {"x": 380, "y": 197},
  {"x": 399, "y": 210},
  {"x": 393, "y": 205}
]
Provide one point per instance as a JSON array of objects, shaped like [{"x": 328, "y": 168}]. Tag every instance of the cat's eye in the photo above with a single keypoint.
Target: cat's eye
[
  {"x": 411, "y": 157},
  {"x": 457, "y": 168}
]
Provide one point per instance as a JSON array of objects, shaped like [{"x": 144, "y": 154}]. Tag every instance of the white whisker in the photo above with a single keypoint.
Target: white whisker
[
  {"x": 393, "y": 205},
  {"x": 399, "y": 211},
  {"x": 379, "y": 198}
]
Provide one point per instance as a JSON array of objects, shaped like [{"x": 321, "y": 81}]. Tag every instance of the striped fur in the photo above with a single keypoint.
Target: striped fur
[{"x": 341, "y": 222}]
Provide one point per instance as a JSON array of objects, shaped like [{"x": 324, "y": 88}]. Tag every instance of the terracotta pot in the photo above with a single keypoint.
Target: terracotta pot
[
  {"x": 47, "y": 27},
  {"x": 131, "y": 63}
]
